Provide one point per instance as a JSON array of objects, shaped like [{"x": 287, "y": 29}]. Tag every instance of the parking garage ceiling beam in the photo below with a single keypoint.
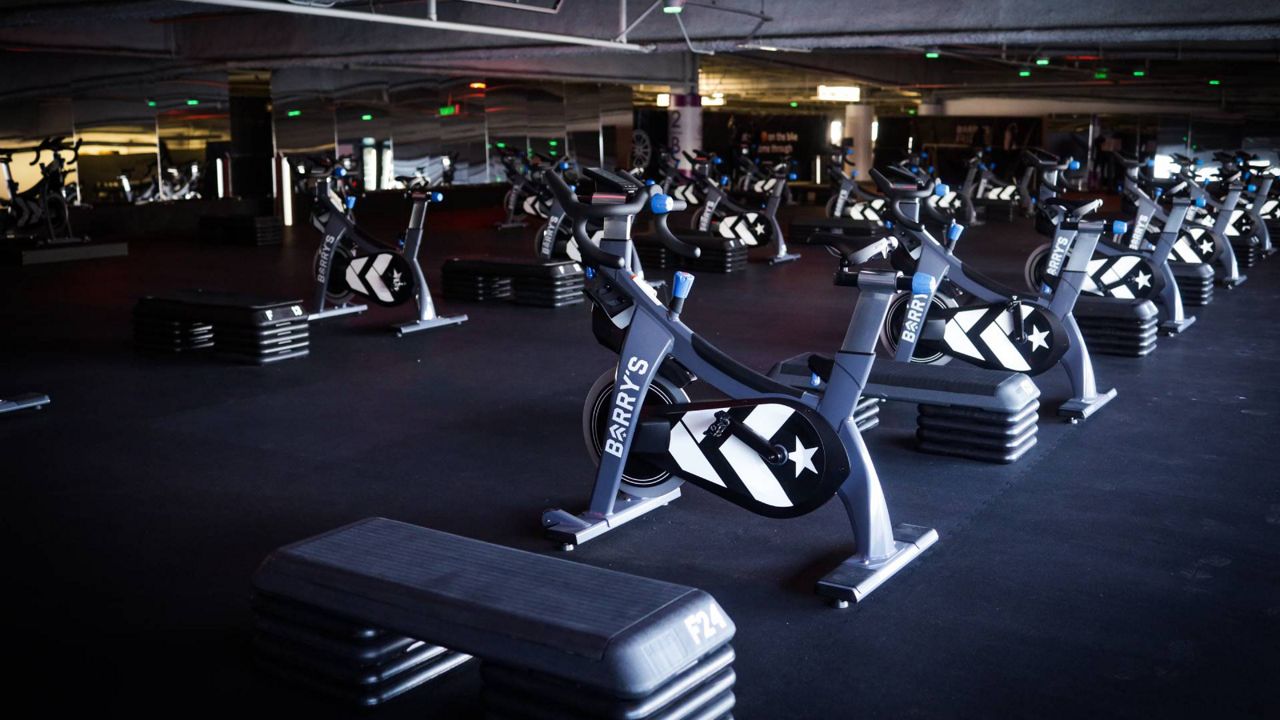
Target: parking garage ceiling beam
[{"x": 427, "y": 23}]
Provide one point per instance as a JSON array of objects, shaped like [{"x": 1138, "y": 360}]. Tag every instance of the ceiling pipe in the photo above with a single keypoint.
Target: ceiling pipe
[{"x": 422, "y": 23}]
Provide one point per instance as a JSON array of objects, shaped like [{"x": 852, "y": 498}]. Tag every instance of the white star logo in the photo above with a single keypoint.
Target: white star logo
[
  {"x": 1037, "y": 338},
  {"x": 1143, "y": 280},
  {"x": 759, "y": 228},
  {"x": 803, "y": 458},
  {"x": 1205, "y": 247}
]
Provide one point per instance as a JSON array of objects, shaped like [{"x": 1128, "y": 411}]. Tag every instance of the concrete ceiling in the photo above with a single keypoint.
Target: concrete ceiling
[{"x": 52, "y": 48}]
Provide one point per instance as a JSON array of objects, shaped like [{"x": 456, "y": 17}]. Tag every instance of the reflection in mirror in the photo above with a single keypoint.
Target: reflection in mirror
[
  {"x": 193, "y": 126},
  {"x": 546, "y": 123},
  {"x": 363, "y": 123},
  {"x": 582, "y": 123},
  {"x": 439, "y": 132},
  {"x": 616, "y": 122},
  {"x": 22, "y": 128},
  {"x": 507, "y": 121},
  {"x": 119, "y": 152}
]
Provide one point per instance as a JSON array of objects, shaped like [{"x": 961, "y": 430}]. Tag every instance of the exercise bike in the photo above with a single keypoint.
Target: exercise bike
[
  {"x": 1249, "y": 170},
  {"x": 967, "y": 316},
  {"x": 983, "y": 188},
  {"x": 769, "y": 449},
  {"x": 848, "y": 200},
  {"x": 349, "y": 262},
  {"x": 1133, "y": 269},
  {"x": 721, "y": 216},
  {"x": 1210, "y": 240},
  {"x": 41, "y": 212},
  {"x": 521, "y": 199}
]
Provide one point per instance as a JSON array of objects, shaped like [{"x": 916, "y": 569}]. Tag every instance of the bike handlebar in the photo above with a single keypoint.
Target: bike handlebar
[{"x": 581, "y": 212}]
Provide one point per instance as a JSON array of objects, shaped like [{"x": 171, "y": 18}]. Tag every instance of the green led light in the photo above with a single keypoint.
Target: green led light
[
  {"x": 1139, "y": 73},
  {"x": 1100, "y": 75},
  {"x": 501, "y": 145},
  {"x": 151, "y": 103},
  {"x": 554, "y": 143},
  {"x": 795, "y": 104},
  {"x": 1215, "y": 82},
  {"x": 932, "y": 55},
  {"x": 193, "y": 102},
  {"x": 673, "y": 9},
  {"x": 553, "y": 153},
  {"x": 447, "y": 110},
  {"x": 294, "y": 113},
  {"x": 1024, "y": 73},
  {"x": 1042, "y": 61},
  {"x": 911, "y": 111},
  {"x": 366, "y": 117}
]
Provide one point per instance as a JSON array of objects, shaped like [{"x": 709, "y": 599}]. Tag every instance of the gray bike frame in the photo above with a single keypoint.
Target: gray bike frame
[
  {"x": 654, "y": 334},
  {"x": 1078, "y": 241}
]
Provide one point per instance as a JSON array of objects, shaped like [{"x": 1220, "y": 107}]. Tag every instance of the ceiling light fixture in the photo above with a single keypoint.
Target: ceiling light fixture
[{"x": 840, "y": 93}]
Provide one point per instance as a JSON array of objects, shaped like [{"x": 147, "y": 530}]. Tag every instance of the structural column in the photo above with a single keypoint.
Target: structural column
[
  {"x": 252, "y": 135},
  {"x": 684, "y": 126},
  {"x": 857, "y": 127},
  {"x": 684, "y": 118}
]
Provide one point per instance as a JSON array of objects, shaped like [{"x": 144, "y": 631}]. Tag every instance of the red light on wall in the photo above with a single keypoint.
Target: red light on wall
[{"x": 1083, "y": 58}]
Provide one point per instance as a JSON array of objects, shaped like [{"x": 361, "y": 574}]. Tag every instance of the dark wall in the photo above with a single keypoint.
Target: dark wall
[
  {"x": 767, "y": 137},
  {"x": 950, "y": 141}
]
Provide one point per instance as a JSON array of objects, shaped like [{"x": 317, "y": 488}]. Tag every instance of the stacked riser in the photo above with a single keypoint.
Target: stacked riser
[
  {"x": 343, "y": 658},
  {"x": 1118, "y": 327},
  {"x": 236, "y": 327},
  {"x": 704, "y": 690},
  {"x": 986, "y": 435},
  {"x": 1195, "y": 283},
  {"x": 1248, "y": 253},
  {"x": 553, "y": 284},
  {"x": 242, "y": 229}
]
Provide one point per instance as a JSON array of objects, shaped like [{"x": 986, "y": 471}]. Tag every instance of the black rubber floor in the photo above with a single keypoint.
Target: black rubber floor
[{"x": 1128, "y": 567}]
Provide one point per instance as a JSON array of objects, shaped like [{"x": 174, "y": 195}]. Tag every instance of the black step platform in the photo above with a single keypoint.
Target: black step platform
[
  {"x": 1113, "y": 326},
  {"x": 718, "y": 254},
  {"x": 542, "y": 284},
  {"x": 20, "y": 251},
  {"x": 365, "y": 613},
  {"x": 799, "y": 231},
  {"x": 964, "y": 411},
  {"x": 1195, "y": 282},
  {"x": 974, "y": 413},
  {"x": 242, "y": 328},
  {"x": 654, "y": 255},
  {"x": 1248, "y": 252},
  {"x": 242, "y": 229}
]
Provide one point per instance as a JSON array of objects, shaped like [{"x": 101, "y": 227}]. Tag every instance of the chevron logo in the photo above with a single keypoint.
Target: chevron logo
[
  {"x": 384, "y": 278},
  {"x": 749, "y": 228},
  {"x": 1270, "y": 210},
  {"x": 986, "y": 335},
  {"x": 705, "y": 446},
  {"x": 687, "y": 194},
  {"x": 1128, "y": 277},
  {"x": 763, "y": 187}
]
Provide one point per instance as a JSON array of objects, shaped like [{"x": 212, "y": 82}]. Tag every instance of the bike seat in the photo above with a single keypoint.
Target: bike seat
[
  {"x": 900, "y": 184},
  {"x": 854, "y": 250},
  {"x": 1042, "y": 158},
  {"x": 1076, "y": 208}
]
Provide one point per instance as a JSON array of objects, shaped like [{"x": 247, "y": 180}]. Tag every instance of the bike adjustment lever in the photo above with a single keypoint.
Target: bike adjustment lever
[{"x": 681, "y": 284}]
